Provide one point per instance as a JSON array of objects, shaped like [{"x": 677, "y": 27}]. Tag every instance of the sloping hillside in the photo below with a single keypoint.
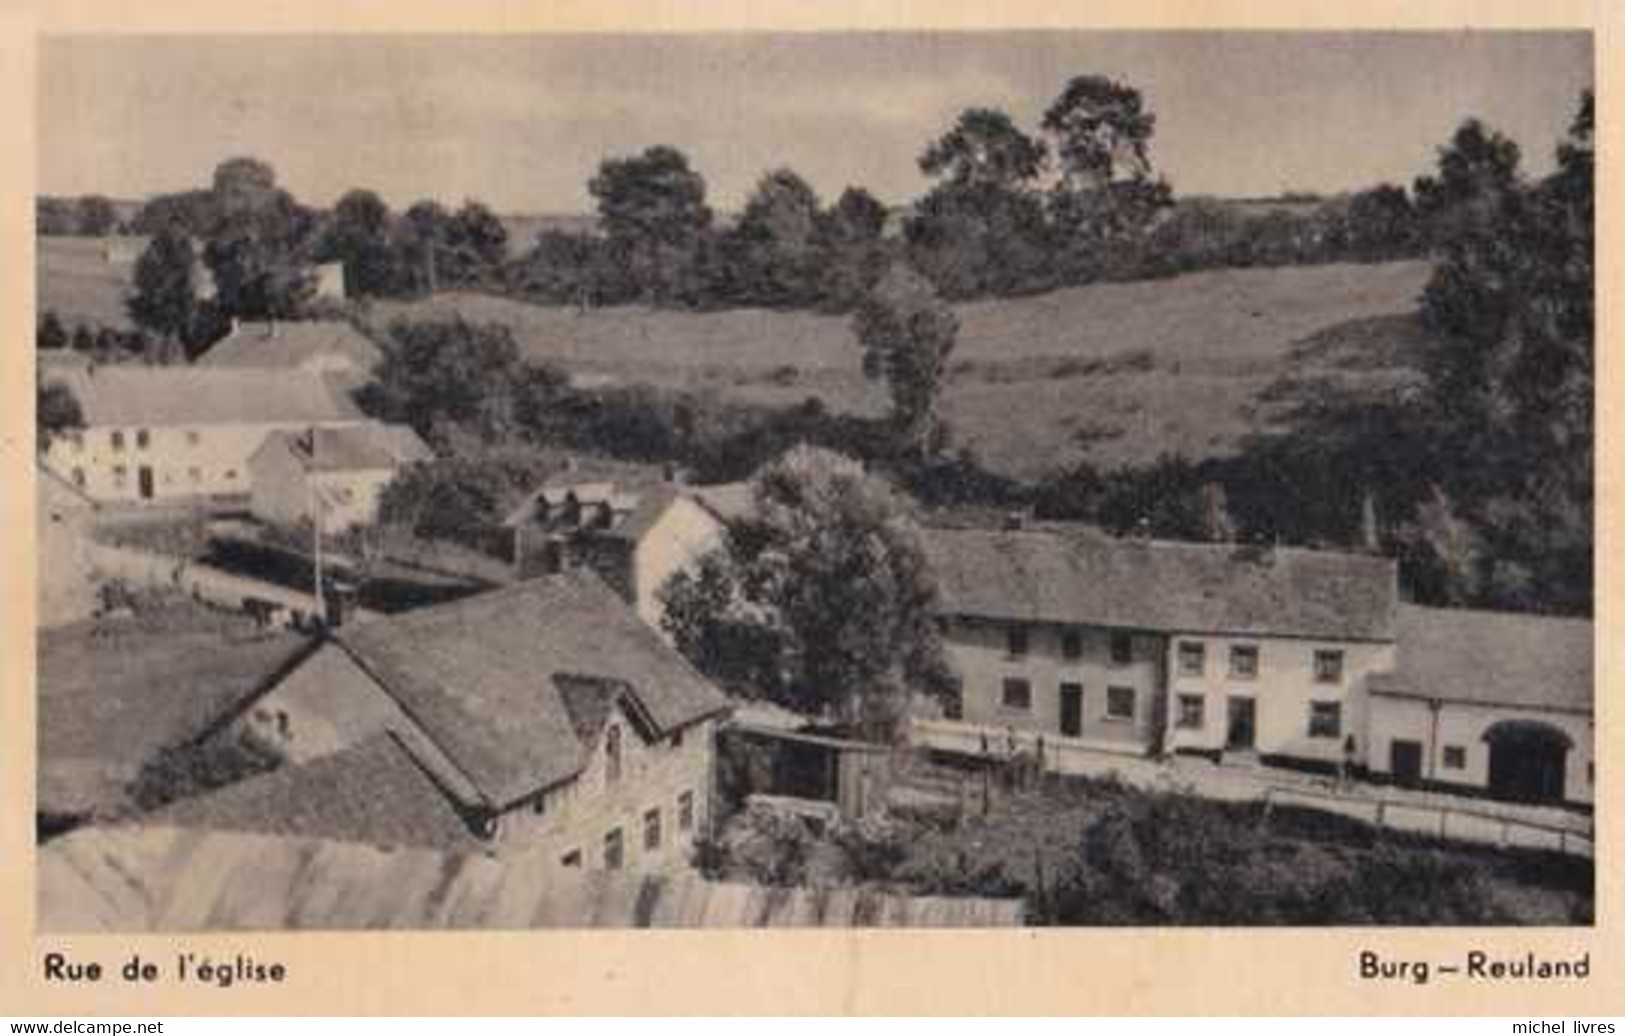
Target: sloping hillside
[
  {"x": 84, "y": 279},
  {"x": 1116, "y": 373}
]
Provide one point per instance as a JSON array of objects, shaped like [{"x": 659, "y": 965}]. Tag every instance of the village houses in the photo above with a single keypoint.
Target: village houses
[
  {"x": 543, "y": 719},
  {"x": 339, "y": 473},
  {"x": 169, "y": 433},
  {"x": 1278, "y": 655}
]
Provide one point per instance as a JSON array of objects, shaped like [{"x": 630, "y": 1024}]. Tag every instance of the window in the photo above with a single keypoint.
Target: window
[
  {"x": 118, "y": 441},
  {"x": 143, "y": 438},
  {"x": 612, "y": 754},
  {"x": 1244, "y": 661},
  {"x": 1015, "y": 641},
  {"x": 651, "y": 829},
  {"x": 1122, "y": 647},
  {"x": 953, "y": 706},
  {"x": 538, "y": 805},
  {"x": 120, "y": 475},
  {"x": 685, "y": 811},
  {"x": 1455, "y": 757},
  {"x": 194, "y": 475},
  {"x": 1119, "y": 703},
  {"x": 1325, "y": 719},
  {"x": 192, "y": 439},
  {"x": 571, "y": 858},
  {"x": 231, "y": 474},
  {"x": 1328, "y": 667},
  {"x": 614, "y": 852},
  {"x": 1018, "y": 693},
  {"x": 1192, "y": 657},
  {"x": 1072, "y": 645},
  {"x": 1192, "y": 711},
  {"x": 79, "y": 477},
  {"x": 677, "y": 739}
]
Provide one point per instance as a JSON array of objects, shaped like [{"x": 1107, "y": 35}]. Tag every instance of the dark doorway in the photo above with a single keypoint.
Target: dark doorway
[
  {"x": 1405, "y": 761},
  {"x": 1242, "y": 724},
  {"x": 1072, "y": 710},
  {"x": 1528, "y": 761},
  {"x": 143, "y": 478}
]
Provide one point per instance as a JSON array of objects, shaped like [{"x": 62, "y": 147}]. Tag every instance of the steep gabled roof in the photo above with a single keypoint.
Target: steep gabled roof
[
  {"x": 1087, "y": 578},
  {"x": 372, "y": 792},
  {"x": 1492, "y": 658},
  {"x": 128, "y": 395},
  {"x": 481, "y": 676},
  {"x": 287, "y": 344}
]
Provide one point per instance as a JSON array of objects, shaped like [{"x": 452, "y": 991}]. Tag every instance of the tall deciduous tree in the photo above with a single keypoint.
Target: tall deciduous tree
[
  {"x": 907, "y": 334},
  {"x": 254, "y": 250},
  {"x": 773, "y": 251},
  {"x": 359, "y": 235},
  {"x": 827, "y": 588},
  {"x": 653, "y": 211},
  {"x": 165, "y": 299}
]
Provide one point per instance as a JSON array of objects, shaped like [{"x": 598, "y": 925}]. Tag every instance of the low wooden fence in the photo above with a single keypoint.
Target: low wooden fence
[
  {"x": 1446, "y": 822},
  {"x": 147, "y": 879}
]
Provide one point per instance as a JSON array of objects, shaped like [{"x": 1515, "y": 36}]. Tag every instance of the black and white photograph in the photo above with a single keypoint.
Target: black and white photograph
[{"x": 840, "y": 479}]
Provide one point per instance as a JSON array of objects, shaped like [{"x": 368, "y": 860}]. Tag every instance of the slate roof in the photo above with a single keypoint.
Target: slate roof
[
  {"x": 634, "y": 509},
  {"x": 1491, "y": 658},
  {"x": 1085, "y": 577},
  {"x": 289, "y": 343},
  {"x": 479, "y": 676},
  {"x": 372, "y": 792},
  {"x": 362, "y": 447},
  {"x": 127, "y": 395}
]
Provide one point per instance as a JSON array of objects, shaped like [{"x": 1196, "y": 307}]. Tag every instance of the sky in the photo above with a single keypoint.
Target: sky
[{"x": 522, "y": 122}]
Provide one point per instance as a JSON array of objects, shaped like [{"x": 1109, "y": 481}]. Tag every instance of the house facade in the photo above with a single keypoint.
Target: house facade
[
  {"x": 340, "y": 471},
  {"x": 1489, "y": 703},
  {"x": 1149, "y": 647},
  {"x": 545, "y": 720},
  {"x": 635, "y": 536},
  {"x": 169, "y": 433}
]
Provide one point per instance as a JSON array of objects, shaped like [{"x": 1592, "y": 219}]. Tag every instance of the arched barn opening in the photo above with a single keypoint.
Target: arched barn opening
[{"x": 1528, "y": 760}]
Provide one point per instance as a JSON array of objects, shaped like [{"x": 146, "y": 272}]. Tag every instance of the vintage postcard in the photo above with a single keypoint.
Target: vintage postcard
[{"x": 1098, "y": 516}]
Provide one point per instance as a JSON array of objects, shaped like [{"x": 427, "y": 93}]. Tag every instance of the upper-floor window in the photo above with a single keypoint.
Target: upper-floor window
[
  {"x": 685, "y": 811},
  {"x": 192, "y": 437},
  {"x": 1244, "y": 661},
  {"x": 117, "y": 440},
  {"x": 1018, "y": 693},
  {"x": 571, "y": 858},
  {"x": 651, "y": 829},
  {"x": 1120, "y": 702},
  {"x": 612, "y": 754},
  {"x": 1015, "y": 641},
  {"x": 1072, "y": 644},
  {"x": 1325, "y": 719},
  {"x": 1329, "y": 666},
  {"x": 1192, "y": 657},
  {"x": 1122, "y": 647},
  {"x": 1455, "y": 757},
  {"x": 143, "y": 438},
  {"x": 614, "y": 850},
  {"x": 677, "y": 739},
  {"x": 538, "y": 805}
]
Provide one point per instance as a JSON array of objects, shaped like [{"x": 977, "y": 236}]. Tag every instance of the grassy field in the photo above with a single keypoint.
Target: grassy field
[
  {"x": 77, "y": 281},
  {"x": 1115, "y": 373}
]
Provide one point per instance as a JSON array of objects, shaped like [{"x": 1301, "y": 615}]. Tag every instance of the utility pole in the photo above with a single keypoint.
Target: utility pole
[{"x": 314, "y": 503}]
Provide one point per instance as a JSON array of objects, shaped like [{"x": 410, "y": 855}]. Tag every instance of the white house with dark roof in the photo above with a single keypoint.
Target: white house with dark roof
[
  {"x": 168, "y": 433},
  {"x": 1146, "y": 646},
  {"x": 544, "y": 718},
  {"x": 1278, "y": 654},
  {"x": 340, "y": 472},
  {"x": 1490, "y": 702}
]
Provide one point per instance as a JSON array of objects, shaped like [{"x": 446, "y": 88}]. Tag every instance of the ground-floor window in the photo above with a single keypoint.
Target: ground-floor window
[
  {"x": 1455, "y": 757},
  {"x": 1325, "y": 719},
  {"x": 1192, "y": 711},
  {"x": 685, "y": 811},
  {"x": 571, "y": 858},
  {"x": 614, "y": 851},
  {"x": 1120, "y": 703},
  {"x": 1018, "y": 694},
  {"x": 651, "y": 829}
]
